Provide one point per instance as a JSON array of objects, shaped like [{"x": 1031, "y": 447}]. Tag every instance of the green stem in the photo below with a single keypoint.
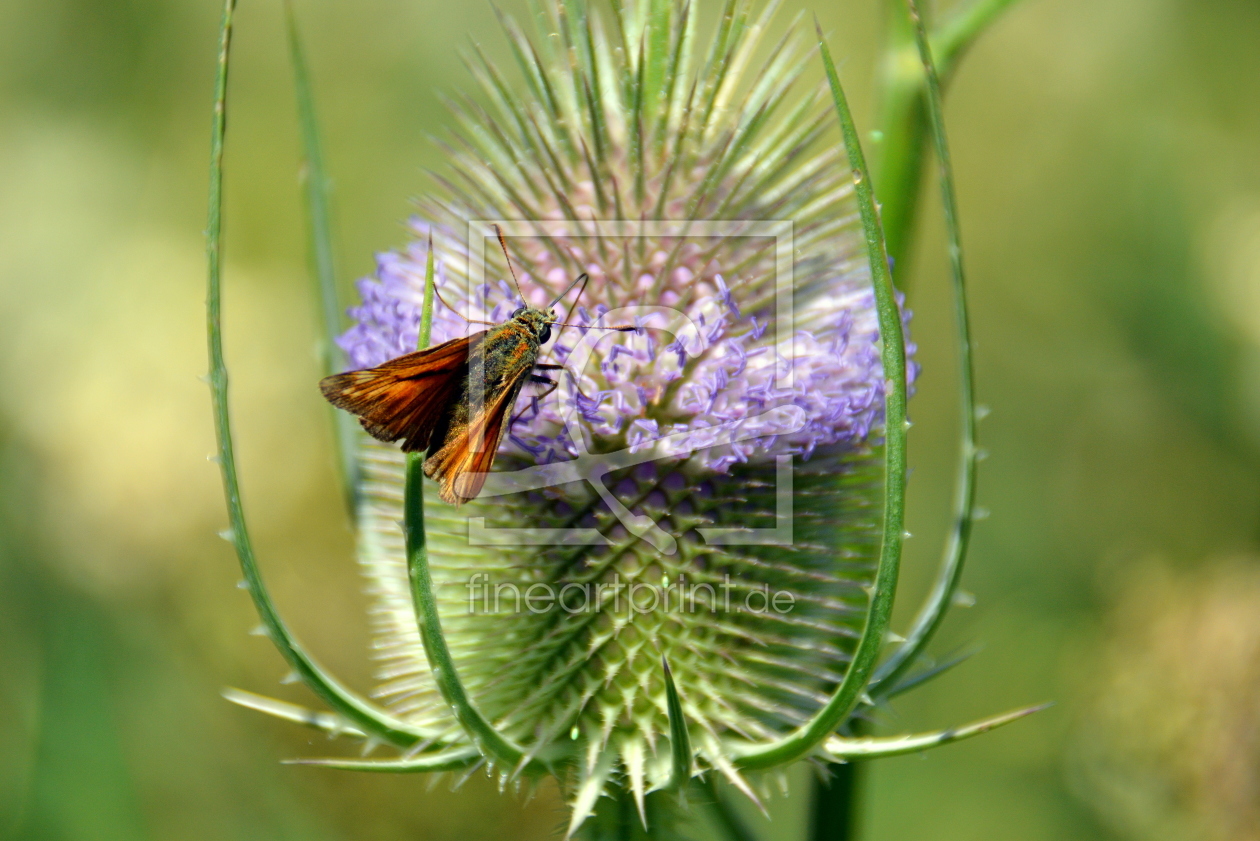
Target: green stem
[
  {"x": 833, "y": 811},
  {"x": 902, "y": 111},
  {"x": 898, "y": 154},
  {"x": 959, "y": 31},
  {"x": 893, "y": 356},
  {"x": 475, "y": 725},
  {"x": 315, "y": 191}
]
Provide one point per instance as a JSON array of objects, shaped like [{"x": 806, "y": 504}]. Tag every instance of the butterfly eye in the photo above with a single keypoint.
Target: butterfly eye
[
  {"x": 518, "y": 311},
  {"x": 545, "y": 334}
]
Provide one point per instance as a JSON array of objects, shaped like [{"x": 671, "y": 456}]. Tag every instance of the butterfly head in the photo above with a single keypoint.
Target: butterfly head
[{"x": 537, "y": 321}]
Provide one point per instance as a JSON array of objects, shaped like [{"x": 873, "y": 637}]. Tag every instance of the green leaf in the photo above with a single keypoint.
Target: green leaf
[
  {"x": 902, "y": 112},
  {"x": 959, "y": 30},
  {"x": 923, "y": 676},
  {"x": 426, "y": 305}
]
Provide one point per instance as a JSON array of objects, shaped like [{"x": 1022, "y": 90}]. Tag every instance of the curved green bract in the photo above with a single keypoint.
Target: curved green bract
[
  {"x": 922, "y": 676},
  {"x": 940, "y": 598},
  {"x": 679, "y": 738},
  {"x": 330, "y": 723},
  {"x": 838, "y": 749},
  {"x": 345, "y": 703},
  {"x": 893, "y": 356},
  {"x": 451, "y": 760}
]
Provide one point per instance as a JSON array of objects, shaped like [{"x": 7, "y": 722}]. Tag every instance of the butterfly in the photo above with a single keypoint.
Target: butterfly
[{"x": 452, "y": 400}]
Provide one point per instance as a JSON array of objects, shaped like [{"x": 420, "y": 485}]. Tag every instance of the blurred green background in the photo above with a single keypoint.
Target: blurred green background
[{"x": 1110, "y": 188}]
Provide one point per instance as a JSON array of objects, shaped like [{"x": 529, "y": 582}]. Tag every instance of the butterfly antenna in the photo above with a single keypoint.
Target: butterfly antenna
[
  {"x": 582, "y": 279},
  {"x": 503, "y": 244},
  {"x": 457, "y": 312},
  {"x": 621, "y": 328}
]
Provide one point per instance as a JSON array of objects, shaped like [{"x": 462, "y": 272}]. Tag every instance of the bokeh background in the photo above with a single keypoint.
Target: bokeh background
[{"x": 1110, "y": 188}]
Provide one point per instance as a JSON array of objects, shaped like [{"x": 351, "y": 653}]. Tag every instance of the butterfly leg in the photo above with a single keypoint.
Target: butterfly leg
[
  {"x": 541, "y": 380},
  {"x": 547, "y": 366}
]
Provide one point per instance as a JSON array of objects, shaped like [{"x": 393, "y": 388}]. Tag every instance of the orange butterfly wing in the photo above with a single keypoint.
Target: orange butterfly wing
[
  {"x": 407, "y": 397},
  {"x": 459, "y": 469}
]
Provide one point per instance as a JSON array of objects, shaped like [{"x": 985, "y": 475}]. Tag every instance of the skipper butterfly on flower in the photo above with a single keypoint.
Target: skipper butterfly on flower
[{"x": 452, "y": 400}]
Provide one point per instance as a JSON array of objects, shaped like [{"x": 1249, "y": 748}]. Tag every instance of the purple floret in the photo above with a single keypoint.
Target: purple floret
[{"x": 825, "y": 376}]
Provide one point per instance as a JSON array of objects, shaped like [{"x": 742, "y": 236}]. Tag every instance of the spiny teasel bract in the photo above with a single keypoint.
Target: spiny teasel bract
[{"x": 620, "y": 122}]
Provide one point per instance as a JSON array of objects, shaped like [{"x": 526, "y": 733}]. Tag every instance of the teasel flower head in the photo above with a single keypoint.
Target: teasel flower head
[
  {"x": 674, "y": 568},
  {"x": 708, "y": 204},
  {"x": 677, "y": 185}
]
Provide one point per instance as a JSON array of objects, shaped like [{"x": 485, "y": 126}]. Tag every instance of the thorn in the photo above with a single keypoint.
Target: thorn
[
  {"x": 291, "y": 677},
  {"x": 259, "y": 631},
  {"x": 906, "y": 535},
  {"x": 981, "y": 454},
  {"x": 215, "y": 457},
  {"x": 227, "y": 534},
  {"x": 962, "y": 598},
  {"x": 907, "y": 424},
  {"x": 892, "y": 636},
  {"x": 980, "y": 513},
  {"x": 242, "y": 584},
  {"x": 982, "y": 412},
  {"x": 205, "y": 378}
]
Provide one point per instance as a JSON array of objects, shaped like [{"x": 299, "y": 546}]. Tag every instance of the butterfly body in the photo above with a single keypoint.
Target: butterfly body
[{"x": 451, "y": 400}]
